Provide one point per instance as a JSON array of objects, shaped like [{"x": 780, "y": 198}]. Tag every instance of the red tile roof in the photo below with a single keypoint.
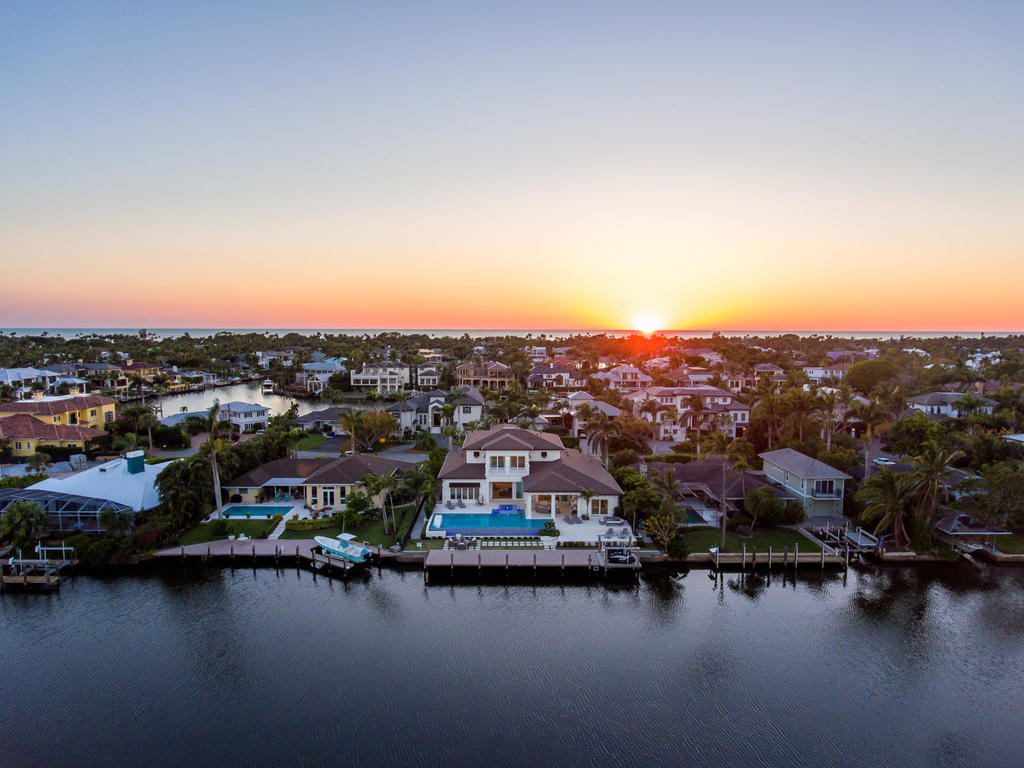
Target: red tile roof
[{"x": 25, "y": 427}]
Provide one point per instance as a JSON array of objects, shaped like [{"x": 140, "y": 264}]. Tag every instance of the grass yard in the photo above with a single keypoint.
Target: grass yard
[
  {"x": 204, "y": 533},
  {"x": 702, "y": 539},
  {"x": 1011, "y": 545},
  {"x": 310, "y": 442},
  {"x": 371, "y": 532}
]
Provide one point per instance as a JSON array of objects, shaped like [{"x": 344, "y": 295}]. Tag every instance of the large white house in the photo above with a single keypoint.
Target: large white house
[
  {"x": 626, "y": 378},
  {"x": 427, "y": 411},
  {"x": 555, "y": 377},
  {"x": 382, "y": 377},
  {"x": 720, "y": 410},
  {"x": 511, "y": 465},
  {"x": 248, "y": 417}
]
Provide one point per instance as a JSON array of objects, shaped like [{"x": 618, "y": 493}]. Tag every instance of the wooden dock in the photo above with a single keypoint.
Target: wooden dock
[{"x": 452, "y": 562}]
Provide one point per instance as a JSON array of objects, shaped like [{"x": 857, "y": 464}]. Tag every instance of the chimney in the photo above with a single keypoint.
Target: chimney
[
  {"x": 37, "y": 394},
  {"x": 135, "y": 461}
]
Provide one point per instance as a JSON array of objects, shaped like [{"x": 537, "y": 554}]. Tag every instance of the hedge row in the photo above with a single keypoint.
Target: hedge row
[
  {"x": 21, "y": 481},
  {"x": 310, "y": 525},
  {"x": 669, "y": 458}
]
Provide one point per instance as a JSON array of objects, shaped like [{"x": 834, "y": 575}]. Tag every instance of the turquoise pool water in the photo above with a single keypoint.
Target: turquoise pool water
[
  {"x": 254, "y": 510},
  {"x": 472, "y": 524}
]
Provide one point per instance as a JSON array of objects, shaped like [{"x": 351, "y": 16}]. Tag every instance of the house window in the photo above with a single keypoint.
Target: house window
[
  {"x": 17, "y": 446},
  {"x": 463, "y": 491},
  {"x": 599, "y": 506},
  {"x": 497, "y": 462},
  {"x": 517, "y": 462},
  {"x": 466, "y": 409},
  {"x": 92, "y": 412},
  {"x": 824, "y": 487}
]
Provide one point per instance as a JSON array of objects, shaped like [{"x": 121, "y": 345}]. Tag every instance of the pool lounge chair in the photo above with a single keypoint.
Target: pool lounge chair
[
  {"x": 461, "y": 504},
  {"x": 449, "y": 504}
]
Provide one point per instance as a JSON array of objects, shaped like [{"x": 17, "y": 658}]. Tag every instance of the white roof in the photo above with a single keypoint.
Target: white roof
[{"x": 113, "y": 482}]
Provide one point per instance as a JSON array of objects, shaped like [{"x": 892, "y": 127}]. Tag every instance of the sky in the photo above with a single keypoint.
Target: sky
[{"x": 674, "y": 165}]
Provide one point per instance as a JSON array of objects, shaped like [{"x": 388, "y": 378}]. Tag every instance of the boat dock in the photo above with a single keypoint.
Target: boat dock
[
  {"x": 40, "y": 573},
  {"x": 451, "y": 562}
]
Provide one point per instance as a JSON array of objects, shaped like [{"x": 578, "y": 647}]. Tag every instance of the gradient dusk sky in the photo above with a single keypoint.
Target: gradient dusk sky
[{"x": 523, "y": 165}]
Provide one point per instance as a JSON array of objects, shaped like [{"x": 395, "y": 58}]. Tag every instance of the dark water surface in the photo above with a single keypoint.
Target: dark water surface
[{"x": 189, "y": 667}]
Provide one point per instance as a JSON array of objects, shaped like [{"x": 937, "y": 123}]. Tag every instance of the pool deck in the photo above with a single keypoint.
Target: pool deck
[{"x": 590, "y": 532}]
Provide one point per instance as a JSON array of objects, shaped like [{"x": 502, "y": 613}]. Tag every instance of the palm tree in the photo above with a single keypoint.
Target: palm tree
[
  {"x": 351, "y": 421},
  {"x": 886, "y": 498},
  {"x": 147, "y": 421},
  {"x": 215, "y": 428},
  {"x": 665, "y": 483},
  {"x": 768, "y": 407},
  {"x": 129, "y": 441},
  {"x": 22, "y": 523},
  {"x": 600, "y": 428},
  {"x": 828, "y": 403},
  {"x": 38, "y": 461},
  {"x": 873, "y": 414},
  {"x": 653, "y": 407},
  {"x": 134, "y": 380},
  {"x": 585, "y": 496},
  {"x": 929, "y": 477},
  {"x": 800, "y": 405},
  {"x": 382, "y": 485},
  {"x": 695, "y": 407},
  {"x": 452, "y": 432},
  {"x": 721, "y": 445}
]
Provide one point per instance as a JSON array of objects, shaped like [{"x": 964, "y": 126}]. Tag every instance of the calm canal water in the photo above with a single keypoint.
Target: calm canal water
[
  {"x": 186, "y": 666},
  {"x": 246, "y": 393}
]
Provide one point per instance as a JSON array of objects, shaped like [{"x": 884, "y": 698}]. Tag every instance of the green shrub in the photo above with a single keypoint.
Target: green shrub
[
  {"x": 21, "y": 481},
  {"x": 571, "y": 442},
  {"x": 549, "y": 524},
  {"x": 310, "y": 525},
  {"x": 548, "y": 532},
  {"x": 277, "y": 518},
  {"x": 669, "y": 458},
  {"x": 219, "y": 528}
]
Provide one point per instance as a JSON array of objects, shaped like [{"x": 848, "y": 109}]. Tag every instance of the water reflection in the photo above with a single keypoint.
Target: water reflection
[{"x": 187, "y": 666}]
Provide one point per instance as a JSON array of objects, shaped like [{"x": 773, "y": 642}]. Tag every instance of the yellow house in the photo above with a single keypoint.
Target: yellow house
[
  {"x": 28, "y": 435},
  {"x": 92, "y": 411},
  {"x": 145, "y": 370}
]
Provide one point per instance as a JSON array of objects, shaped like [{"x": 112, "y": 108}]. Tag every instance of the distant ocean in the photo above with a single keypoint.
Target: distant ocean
[{"x": 490, "y": 332}]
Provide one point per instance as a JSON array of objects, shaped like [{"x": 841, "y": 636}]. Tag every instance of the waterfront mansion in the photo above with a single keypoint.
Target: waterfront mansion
[{"x": 509, "y": 465}]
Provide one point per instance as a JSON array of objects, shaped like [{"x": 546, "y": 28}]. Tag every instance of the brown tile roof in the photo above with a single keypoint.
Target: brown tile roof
[
  {"x": 352, "y": 469},
  {"x": 573, "y": 473},
  {"x": 456, "y": 467},
  {"x": 254, "y": 478},
  {"x": 56, "y": 407},
  {"x": 508, "y": 437},
  {"x": 25, "y": 427}
]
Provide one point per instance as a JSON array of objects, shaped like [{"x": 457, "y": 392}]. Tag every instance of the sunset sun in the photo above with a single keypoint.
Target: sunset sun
[{"x": 647, "y": 323}]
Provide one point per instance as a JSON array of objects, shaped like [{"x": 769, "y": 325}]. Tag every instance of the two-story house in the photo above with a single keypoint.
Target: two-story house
[
  {"x": 428, "y": 411},
  {"x": 720, "y": 410},
  {"x": 61, "y": 421},
  {"x": 625, "y": 378},
  {"x": 507, "y": 464},
  {"x": 555, "y": 377},
  {"x": 817, "y": 486},
  {"x": 248, "y": 417},
  {"x": 382, "y": 377},
  {"x": 487, "y": 374}
]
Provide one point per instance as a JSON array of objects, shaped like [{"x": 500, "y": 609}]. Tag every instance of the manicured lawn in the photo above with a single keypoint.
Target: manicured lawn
[
  {"x": 204, "y": 533},
  {"x": 1011, "y": 545},
  {"x": 702, "y": 539},
  {"x": 371, "y": 532},
  {"x": 426, "y": 544},
  {"x": 310, "y": 442}
]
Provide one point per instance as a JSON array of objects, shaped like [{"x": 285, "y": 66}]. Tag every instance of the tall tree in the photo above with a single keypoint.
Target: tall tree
[
  {"x": 886, "y": 497},
  {"x": 930, "y": 477},
  {"x": 22, "y": 523}
]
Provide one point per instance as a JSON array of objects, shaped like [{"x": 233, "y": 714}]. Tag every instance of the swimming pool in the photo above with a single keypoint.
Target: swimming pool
[
  {"x": 254, "y": 511},
  {"x": 473, "y": 524}
]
